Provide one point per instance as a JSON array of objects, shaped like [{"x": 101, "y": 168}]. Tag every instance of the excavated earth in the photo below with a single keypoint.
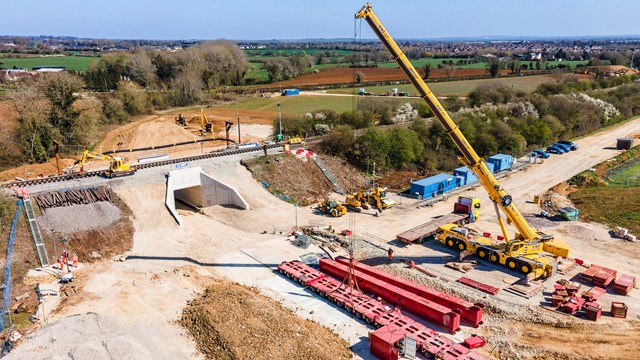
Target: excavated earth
[{"x": 229, "y": 321}]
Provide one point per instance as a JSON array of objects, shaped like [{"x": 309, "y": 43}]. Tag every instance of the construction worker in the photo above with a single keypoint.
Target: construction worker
[
  {"x": 61, "y": 263},
  {"x": 65, "y": 256},
  {"x": 390, "y": 254},
  {"x": 412, "y": 264},
  {"x": 75, "y": 260}
]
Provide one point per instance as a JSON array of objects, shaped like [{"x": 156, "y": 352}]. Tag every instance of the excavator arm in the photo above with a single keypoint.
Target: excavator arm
[{"x": 469, "y": 157}]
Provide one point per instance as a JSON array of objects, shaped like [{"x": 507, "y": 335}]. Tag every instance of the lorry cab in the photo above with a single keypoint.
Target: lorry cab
[{"x": 468, "y": 205}]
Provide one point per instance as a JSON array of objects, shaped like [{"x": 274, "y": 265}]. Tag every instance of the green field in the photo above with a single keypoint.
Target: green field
[
  {"x": 77, "y": 63},
  {"x": 434, "y": 64},
  {"x": 457, "y": 88},
  {"x": 294, "y": 51},
  {"x": 295, "y": 105},
  {"x": 629, "y": 177}
]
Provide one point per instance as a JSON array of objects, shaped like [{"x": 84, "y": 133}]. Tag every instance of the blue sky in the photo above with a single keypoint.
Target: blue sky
[{"x": 299, "y": 19}]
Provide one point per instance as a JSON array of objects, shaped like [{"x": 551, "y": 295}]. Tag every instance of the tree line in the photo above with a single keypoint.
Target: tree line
[
  {"x": 494, "y": 119},
  {"x": 54, "y": 106}
]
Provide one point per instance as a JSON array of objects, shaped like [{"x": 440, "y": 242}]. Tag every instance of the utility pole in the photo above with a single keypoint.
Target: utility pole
[
  {"x": 239, "y": 142},
  {"x": 280, "y": 119}
]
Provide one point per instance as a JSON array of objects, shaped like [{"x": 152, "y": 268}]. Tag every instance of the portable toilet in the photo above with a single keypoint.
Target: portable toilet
[
  {"x": 500, "y": 162},
  {"x": 433, "y": 186}
]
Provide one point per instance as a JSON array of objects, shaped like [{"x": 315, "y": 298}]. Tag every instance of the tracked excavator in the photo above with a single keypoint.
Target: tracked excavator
[
  {"x": 529, "y": 251},
  {"x": 117, "y": 166}
]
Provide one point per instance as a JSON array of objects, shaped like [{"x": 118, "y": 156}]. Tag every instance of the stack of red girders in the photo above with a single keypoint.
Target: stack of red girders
[
  {"x": 574, "y": 304},
  {"x": 468, "y": 311},
  {"x": 624, "y": 284},
  {"x": 393, "y": 326},
  {"x": 415, "y": 304}
]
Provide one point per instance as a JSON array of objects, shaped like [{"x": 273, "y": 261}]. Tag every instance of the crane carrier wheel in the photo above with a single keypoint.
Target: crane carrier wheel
[
  {"x": 482, "y": 253},
  {"x": 512, "y": 263},
  {"x": 334, "y": 212}
]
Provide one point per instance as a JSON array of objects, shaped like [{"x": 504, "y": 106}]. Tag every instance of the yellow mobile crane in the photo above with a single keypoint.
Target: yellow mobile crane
[
  {"x": 525, "y": 251},
  {"x": 117, "y": 166}
]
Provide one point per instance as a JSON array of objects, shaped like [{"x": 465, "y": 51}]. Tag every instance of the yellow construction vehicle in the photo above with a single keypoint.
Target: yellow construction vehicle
[
  {"x": 295, "y": 140},
  {"x": 524, "y": 251},
  {"x": 357, "y": 201},
  {"x": 207, "y": 127},
  {"x": 332, "y": 207},
  {"x": 117, "y": 166}
]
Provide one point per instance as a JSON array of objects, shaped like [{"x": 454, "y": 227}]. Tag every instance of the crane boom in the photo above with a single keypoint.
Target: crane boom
[{"x": 469, "y": 157}]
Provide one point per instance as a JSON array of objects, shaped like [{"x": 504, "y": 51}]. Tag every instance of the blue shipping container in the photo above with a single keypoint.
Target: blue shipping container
[
  {"x": 289, "y": 92},
  {"x": 500, "y": 162},
  {"x": 433, "y": 186}
]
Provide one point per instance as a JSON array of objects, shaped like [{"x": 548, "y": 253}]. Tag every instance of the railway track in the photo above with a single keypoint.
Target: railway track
[{"x": 62, "y": 178}]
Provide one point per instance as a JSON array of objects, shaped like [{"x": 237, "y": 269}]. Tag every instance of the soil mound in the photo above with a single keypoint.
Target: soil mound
[{"x": 229, "y": 321}]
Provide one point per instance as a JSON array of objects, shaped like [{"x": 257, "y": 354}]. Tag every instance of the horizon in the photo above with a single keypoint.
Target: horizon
[{"x": 120, "y": 20}]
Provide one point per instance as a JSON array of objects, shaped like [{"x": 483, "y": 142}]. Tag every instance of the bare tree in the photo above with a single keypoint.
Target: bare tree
[
  {"x": 449, "y": 70},
  {"x": 140, "y": 69},
  {"x": 34, "y": 133},
  {"x": 187, "y": 88}
]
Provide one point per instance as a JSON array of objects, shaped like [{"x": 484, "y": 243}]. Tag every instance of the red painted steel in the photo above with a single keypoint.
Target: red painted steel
[
  {"x": 619, "y": 310},
  {"x": 301, "y": 272},
  {"x": 468, "y": 311},
  {"x": 624, "y": 284},
  {"x": 382, "y": 343},
  {"x": 594, "y": 293},
  {"x": 474, "y": 342},
  {"x": 391, "y": 322},
  {"x": 422, "y": 307},
  {"x": 478, "y": 285}
]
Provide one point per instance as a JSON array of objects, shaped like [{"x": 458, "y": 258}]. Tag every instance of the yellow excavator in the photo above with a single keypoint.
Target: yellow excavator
[
  {"x": 207, "y": 126},
  {"x": 357, "y": 201},
  {"x": 529, "y": 251},
  {"x": 117, "y": 166}
]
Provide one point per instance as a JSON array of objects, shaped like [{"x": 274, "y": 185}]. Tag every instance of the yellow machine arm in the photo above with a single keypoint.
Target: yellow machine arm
[
  {"x": 92, "y": 155},
  {"x": 470, "y": 158}
]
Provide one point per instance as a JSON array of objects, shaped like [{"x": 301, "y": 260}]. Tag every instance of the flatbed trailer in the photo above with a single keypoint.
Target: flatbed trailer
[
  {"x": 426, "y": 231},
  {"x": 465, "y": 211}
]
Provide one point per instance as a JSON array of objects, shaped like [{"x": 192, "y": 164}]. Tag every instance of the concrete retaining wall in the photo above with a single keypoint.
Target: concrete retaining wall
[{"x": 198, "y": 189}]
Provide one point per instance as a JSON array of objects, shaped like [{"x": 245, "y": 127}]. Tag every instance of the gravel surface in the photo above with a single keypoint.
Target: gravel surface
[
  {"x": 69, "y": 219},
  {"x": 95, "y": 337}
]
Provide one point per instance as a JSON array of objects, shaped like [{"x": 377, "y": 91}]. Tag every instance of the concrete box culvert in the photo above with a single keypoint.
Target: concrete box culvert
[{"x": 198, "y": 189}]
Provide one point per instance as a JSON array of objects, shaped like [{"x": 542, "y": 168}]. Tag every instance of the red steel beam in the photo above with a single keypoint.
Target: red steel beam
[
  {"x": 427, "y": 309},
  {"x": 468, "y": 311}
]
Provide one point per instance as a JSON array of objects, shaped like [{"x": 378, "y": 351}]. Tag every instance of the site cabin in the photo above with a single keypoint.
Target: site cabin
[
  {"x": 464, "y": 175},
  {"x": 465, "y": 211},
  {"x": 433, "y": 186},
  {"x": 290, "y": 92}
]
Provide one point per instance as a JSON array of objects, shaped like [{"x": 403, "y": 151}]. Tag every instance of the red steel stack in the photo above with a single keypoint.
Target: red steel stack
[
  {"x": 598, "y": 276},
  {"x": 594, "y": 293},
  {"x": 387, "y": 341},
  {"x": 592, "y": 310},
  {"x": 624, "y": 284},
  {"x": 420, "y": 306},
  {"x": 573, "y": 305},
  {"x": 619, "y": 310},
  {"x": 468, "y": 311}
]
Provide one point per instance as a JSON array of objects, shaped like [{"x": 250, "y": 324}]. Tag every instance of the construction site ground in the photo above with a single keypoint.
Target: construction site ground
[{"x": 131, "y": 304}]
